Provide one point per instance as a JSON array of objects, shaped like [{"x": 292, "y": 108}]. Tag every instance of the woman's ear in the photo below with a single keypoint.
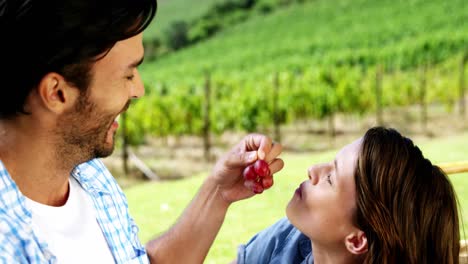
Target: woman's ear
[{"x": 356, "y": 242}]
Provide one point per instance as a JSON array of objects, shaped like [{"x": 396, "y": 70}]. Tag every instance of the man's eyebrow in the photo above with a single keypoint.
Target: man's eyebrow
[{"x": 136, "y": 63}]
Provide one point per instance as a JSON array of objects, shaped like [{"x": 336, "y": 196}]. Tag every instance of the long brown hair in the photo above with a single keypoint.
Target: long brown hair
[{"x": 405, "y": 205}]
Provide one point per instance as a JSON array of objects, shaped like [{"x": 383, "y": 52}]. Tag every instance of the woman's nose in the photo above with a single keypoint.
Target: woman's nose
[{"x": 315, "y": 171}]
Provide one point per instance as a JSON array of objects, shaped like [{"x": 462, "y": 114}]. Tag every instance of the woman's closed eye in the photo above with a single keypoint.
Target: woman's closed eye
[{"x": 329, "y": 179}]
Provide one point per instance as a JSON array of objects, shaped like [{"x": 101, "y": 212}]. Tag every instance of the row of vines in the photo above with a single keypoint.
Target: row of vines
[{"x": 220, "y": 103}]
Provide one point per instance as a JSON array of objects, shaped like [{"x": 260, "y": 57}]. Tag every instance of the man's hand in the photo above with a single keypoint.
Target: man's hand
[
  {"x": 200, "y": 223},
  {"x": 227, "y": 173}
]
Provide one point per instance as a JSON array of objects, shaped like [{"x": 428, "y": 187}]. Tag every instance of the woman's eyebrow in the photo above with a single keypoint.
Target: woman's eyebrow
[{"x": 336, "y": 167}]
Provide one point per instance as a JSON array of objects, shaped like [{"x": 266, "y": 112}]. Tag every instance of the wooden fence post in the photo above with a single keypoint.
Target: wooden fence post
[
  {"x": 462, "y": 84},
  {"x": 378, "y": 95},
  {"x": 422, "y": 98},
  {"x": 331, "y": 125},
  {"x": 276, "y": 113},
  {"x": 206, "y": 123}
]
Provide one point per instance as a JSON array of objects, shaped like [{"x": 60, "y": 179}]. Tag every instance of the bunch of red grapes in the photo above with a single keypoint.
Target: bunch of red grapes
[{"x": 258, "y": 177}]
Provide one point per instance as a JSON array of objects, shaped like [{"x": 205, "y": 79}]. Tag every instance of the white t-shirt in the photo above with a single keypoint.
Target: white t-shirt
[{"x": 71, "y": 231}]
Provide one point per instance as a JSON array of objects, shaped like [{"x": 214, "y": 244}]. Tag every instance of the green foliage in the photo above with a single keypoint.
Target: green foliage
[
  {"x": 338, "y": 33},
  {"x": 180, "y": 32},
  {"x": 203, "y": 29},
  {"x": 176, "y": 10},
  {"x": 326, "y": 53},
  {"x": 177, "y": 35}
]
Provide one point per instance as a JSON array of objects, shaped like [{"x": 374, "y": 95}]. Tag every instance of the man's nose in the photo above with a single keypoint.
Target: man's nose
[{"x": 138, "y": 89}]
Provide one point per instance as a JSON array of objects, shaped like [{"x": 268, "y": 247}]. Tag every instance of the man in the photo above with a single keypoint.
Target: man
[{"x": 70, "y": 68}]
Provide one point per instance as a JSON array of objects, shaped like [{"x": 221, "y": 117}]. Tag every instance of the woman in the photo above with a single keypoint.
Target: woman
[{"x": 379, "y": 201}]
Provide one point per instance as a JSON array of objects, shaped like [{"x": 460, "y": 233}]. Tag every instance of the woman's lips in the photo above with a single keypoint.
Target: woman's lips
[{"x": 299, "y": 191}]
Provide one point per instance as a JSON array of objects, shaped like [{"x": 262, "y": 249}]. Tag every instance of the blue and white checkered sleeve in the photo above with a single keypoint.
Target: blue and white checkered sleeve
[{"x": 11, "y": 248}]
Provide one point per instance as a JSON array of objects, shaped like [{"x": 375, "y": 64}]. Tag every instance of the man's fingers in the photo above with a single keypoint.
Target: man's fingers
[
  {"x": 258, "y": 142},
  {"x": 241, "y": 159},
  {"x": 265, "y": 147},
  {"x": 274, "y": 152},
  {"x": 254, "y": 146},
  {"x": 276, "y": 165}
]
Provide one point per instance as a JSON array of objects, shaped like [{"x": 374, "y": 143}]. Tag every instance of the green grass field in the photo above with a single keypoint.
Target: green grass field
[{"x": 156, "y": 206}]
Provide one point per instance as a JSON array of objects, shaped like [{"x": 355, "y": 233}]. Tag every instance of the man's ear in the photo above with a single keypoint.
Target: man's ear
[
  {"x": 356, "y": 242},
  {"x": 56, "y": 95}
]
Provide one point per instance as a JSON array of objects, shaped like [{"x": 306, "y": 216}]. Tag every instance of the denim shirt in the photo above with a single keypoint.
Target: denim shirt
[{"x": 279, "y": 244}]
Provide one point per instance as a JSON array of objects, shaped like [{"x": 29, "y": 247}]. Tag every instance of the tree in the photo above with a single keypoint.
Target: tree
[{"x": 177, "y": 35}]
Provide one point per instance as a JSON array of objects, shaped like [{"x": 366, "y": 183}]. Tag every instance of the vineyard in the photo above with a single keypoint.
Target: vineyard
[
  {"x": 307, "y": 61},
  {"x": 283, "y": 67}
]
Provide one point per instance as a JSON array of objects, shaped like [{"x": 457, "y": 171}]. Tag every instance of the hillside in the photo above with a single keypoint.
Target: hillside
[
  {"x": 321, "y": 57},
  {"x": 399, "y": 33}
]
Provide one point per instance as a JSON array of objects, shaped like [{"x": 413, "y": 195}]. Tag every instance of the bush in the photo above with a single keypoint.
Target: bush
[
  {"x": 203, "y": 29},
  {"x": 177, "y": 35}
]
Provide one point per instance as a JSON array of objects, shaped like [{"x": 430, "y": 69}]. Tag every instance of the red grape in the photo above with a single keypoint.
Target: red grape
[
  {"x": 258, "y": 176},
  {"x": 267, "y": 182},
  {"x": 249, "y": 173},
  {"x": 261, "y": 168},
  {"x": 257, "y": 188}
]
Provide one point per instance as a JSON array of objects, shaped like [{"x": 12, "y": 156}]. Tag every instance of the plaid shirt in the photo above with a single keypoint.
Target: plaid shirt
[{"x": 19, "y": 243}]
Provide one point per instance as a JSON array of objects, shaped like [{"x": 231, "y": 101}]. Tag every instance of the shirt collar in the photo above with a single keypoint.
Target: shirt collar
[
  {"x": 12, "y": 201},
  {"x": 11, "y": 196},
  {"x": 87, "y": 176},
  {"x": 305, "y": 246}
]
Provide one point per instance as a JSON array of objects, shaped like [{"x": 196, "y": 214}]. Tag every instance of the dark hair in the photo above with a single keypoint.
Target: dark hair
[
  {"x": 405, "y": 205},
  {"x": 63, "y": 36}
]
